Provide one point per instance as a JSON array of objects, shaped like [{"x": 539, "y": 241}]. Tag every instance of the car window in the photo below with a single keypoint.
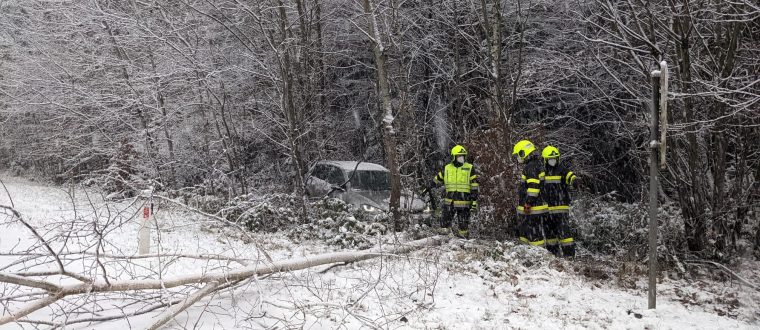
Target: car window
[
  {"x": 319, "y": 172},
  {"x": 370, "y": 180},
  {"x": 334, "y": 175}
]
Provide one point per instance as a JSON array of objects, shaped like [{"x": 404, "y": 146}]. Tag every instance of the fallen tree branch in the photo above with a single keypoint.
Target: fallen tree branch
[
  {"x": 221, "y": 278},
  {"x": 20, "y": 280},
  {"x": 42, "y": 240},
  {"x": 29, "y": 308},
  {"x": 8, "y": 193},
  {"x": 103, "y": 318},
  {"x": 54, "y": 272},
  {"x": 68, "y": 255},
  {"x": 170, "y": 313},
  {"x": 241, "y": 261},
  {"x": 725, "y": 269},
  {"x": 327, "y": 269},
  {"x": 250, "y": 271}
]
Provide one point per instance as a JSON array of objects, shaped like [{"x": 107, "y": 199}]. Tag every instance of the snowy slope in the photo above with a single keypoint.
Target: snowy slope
[{"x": 460, "y": 285}]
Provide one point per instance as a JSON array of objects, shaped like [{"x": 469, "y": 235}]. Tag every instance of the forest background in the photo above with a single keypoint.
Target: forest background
[{"x": 228, "y": 98}]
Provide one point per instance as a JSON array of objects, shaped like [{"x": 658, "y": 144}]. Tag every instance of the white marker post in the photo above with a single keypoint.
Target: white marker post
[{"x": 146, "y": 221}]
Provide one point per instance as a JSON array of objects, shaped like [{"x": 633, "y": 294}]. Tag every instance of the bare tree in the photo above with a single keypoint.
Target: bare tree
[{"x": 698, "y": 163}]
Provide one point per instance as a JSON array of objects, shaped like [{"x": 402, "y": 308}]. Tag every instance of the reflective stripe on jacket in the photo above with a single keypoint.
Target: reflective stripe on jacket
[
  {"x": 531, "y": 183},
  {"x": 461, "y": 182},
  {"x": 557, "y": 180}
]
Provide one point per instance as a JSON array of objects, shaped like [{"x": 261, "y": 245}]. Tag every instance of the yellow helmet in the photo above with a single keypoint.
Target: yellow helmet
[
  {"x": 523, "y": 149},
  {"x": 458, "y": 151},
  {"x": 550, "y": 152}
]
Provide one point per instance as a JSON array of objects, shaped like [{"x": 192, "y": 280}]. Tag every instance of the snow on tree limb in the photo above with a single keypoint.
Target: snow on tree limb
[
  {"x": 727, "y": 270},
  {"x": 61, "y": 269},
  {"x": 24, "y": 281},
  {"x": 213, "y": 279},
  {"x": 29, "y": 308},
  {"x": 170, "y": 313}
]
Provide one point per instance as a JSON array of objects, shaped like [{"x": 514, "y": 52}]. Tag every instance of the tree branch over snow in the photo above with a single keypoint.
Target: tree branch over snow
[
  {"x": 170, "y": 313},
  {"x": 725, "y": 269},
  {"x": 213, "y": 279},
  {"x": 61, "y": 269}
]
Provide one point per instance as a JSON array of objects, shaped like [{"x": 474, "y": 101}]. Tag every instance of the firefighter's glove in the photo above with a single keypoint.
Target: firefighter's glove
[
  {"x": 474, "y": 207},
  {"x": 526, "y": 208}
]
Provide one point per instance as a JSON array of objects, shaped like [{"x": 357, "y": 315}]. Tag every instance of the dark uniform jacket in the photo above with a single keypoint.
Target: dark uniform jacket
[
  {"x": 557, "y": 180},
  {"x": 529, "y": 191}
]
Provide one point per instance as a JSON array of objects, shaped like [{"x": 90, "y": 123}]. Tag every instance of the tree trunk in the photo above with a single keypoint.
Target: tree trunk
[
  {"x": 389, "y": 135},
  {"x": 690, "y": 194},
  {"x": 288, "y": 105},
  {"x": 455, "y": 87},
  {"x": 172, "y": 181},
  {"x": 492, "y": 28},
  {"x": 721, "y": 217},
  {"x": 150, "y": 144},
  {"x": 224, "y": 137},
  {"x": 496, "y": 77},
  {"x": 407, "y": 126},
  {"x": 518, "y": 65},
  {"x": 320, "y": 66}
]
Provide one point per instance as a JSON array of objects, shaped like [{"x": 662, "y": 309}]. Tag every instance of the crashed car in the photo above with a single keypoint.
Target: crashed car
[{"x": 365, "y": 185}]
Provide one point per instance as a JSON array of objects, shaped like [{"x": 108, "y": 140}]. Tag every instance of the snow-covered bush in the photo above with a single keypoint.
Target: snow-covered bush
[
  {"x": 330, "y": 220},
  {"x": 337, "y": 223},
  {"x": 268, "y": 213},
  {"x": 206, "y": 203},
  {"x": 613, "y": 227},
  {"x": 497, "y": 260},
  {"x": 15, "y": 168}
]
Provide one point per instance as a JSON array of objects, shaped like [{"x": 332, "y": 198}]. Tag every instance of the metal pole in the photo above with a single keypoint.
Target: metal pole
[{"x": 653, "y": 155}]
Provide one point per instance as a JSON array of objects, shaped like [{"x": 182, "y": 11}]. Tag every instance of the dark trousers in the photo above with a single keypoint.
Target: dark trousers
[
  {"x": 559, "y": 235},
  {"x": 531, "y": 229},
  {"x": 462, "y": 214}
]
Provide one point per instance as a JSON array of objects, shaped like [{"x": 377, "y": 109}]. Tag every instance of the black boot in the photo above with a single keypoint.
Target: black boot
[
  {"x": 568, "y": 251},
  {"x": 554, "y": 249}
]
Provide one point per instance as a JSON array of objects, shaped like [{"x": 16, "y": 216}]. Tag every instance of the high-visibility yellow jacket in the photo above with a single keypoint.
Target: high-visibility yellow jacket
[{"x": 461, "y": 182}]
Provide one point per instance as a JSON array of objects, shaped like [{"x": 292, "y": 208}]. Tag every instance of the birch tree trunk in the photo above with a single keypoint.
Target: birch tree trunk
[
  {"x": 492, "y": 28},
  {"x": 389, "y": 134}
]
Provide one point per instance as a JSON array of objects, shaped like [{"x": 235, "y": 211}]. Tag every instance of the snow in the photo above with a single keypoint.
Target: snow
[
  {"x": 474, "y": 284},
  {"x": 388, "y": 119}
]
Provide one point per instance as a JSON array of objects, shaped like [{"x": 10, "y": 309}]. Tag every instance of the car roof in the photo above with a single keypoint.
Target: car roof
[{"x": 348, "y": 165}]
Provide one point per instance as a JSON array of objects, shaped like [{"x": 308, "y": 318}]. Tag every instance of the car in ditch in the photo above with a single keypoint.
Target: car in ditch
[{"x": 364, "y": 185}]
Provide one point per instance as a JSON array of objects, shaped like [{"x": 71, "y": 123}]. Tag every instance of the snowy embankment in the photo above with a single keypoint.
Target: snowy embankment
[{"x": 461, "y": 284}]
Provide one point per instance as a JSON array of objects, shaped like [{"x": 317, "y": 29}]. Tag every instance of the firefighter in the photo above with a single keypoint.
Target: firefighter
[
  {"x": 531, "y": 207},
  {"x": 460, "y": 179},
  {"x": 557, "y": 181}
]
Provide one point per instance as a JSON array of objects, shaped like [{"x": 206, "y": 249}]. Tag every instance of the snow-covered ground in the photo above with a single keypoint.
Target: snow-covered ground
[{"x": 474, "y": 284}]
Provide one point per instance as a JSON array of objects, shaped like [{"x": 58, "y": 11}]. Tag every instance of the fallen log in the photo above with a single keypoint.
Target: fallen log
[{"x": 215, "y": 279}]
